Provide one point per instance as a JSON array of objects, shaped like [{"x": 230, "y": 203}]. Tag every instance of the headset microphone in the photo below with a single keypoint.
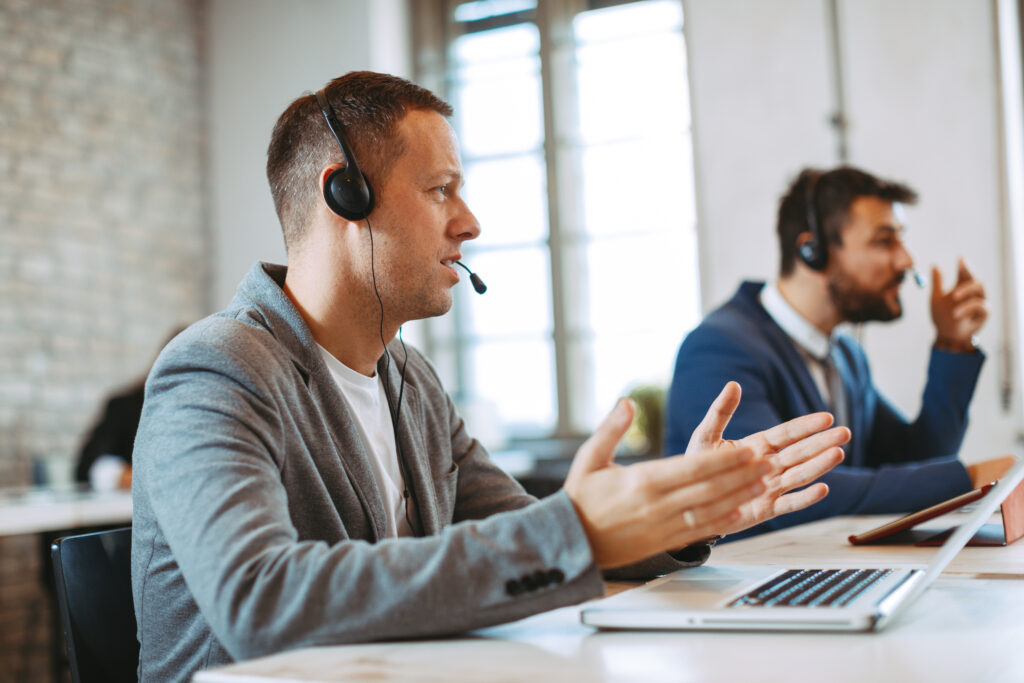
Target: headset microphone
[
  {"x": 918, "y": 279},
  {"x": 478, "y": 284}
]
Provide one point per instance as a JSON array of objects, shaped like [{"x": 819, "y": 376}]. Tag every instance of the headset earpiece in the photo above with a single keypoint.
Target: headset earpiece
[
  {"x": 346, "y": 190},
  {"x": 813, "y": 255},
  {"x": 347, "y": 193},
  {"x": 814, "y": 252}
]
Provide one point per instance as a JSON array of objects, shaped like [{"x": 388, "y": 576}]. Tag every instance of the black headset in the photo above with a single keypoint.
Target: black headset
[
  {"x": 346, "y": 190},
  {"x": 814, "y": 252}
]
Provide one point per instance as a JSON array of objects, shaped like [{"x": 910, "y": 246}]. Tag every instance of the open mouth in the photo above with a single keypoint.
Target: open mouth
[{"x": 449, "y": 263}]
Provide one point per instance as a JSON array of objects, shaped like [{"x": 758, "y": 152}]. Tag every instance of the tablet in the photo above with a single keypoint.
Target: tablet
[{"x": 913, "y": 519}]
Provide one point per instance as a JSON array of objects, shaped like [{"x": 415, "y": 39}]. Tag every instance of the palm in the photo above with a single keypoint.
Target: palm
[{"x": 799, "y": 451}]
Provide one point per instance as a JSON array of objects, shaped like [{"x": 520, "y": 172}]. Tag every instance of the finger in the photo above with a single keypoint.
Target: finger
[
  {"x": 787, "y": 433},
  {"x": 709, "y": 432},
  {"x": 968, "y": 290},
  {"x": 970, "y": 310},
  {"x": 678, "y": 471},
  {"x": 715, "y": 488},
  {"x": 936, "y": 283},
  {"x": 809, "y": 447},
  {"x": 598, "y": 451},
  {"x": 715, "y": 517},
  {"x": 809, "y": 470},
  {"x": 798, "y": 500}
]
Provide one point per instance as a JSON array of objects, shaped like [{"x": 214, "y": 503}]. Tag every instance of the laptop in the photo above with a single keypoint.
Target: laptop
[{"x": 752, "y": 598}]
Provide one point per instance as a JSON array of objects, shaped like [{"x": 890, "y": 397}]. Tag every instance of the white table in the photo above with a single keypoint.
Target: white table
[
  {"x": 37, "y": 509},
  {"x": 969, "y": 626}
]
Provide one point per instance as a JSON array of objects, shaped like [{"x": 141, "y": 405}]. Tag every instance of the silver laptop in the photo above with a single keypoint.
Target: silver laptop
[{"x": 736, "y": 597}]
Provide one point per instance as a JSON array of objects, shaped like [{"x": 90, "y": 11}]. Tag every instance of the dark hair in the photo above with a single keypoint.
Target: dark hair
[
  {"x": 368, "y": 106},
  {"x": 833, "y": 193}
]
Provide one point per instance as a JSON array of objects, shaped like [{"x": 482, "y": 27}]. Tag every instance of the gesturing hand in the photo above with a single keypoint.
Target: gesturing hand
[
  {"x": 959, "y": 313},
  {"x": 631, "y": 513},
  {"x": 798, "y": 450}
]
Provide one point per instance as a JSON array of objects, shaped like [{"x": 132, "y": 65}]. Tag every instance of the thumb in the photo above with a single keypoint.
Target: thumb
[
  {"x": 598, "y": 452},
  {"x": 710, "y": 430},
  {"x": 936, "y": 283}
]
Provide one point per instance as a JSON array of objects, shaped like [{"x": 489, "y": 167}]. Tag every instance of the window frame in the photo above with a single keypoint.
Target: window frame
[{"x": 435, "y": 29}]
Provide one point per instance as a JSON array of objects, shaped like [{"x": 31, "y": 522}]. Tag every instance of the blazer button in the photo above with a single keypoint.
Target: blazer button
[
  {"x": 541, "y": 578},
  {"x": 556, "y": 576},
  {"x": 529, "y": 583},
  {"x": 513, "y": 587}
]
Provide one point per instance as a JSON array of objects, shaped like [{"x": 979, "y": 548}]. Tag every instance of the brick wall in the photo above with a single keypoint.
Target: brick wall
[{"x": 103, "y": 241}]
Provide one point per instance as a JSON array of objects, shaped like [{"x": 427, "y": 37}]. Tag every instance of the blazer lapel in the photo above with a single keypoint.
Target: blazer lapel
[
  {"x": 794, "y": 364},
  {"x": 352, "y": 451},
  {"x": 345, "y": 456},
  {"x": 411, "y": 445}
]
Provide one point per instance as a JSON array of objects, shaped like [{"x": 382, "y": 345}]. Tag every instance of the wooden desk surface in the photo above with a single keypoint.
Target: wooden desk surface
[
  {"x": 967, "y": 627},
  {"x": 824, "y": 543},
  {"x": 31, "y": 510}
]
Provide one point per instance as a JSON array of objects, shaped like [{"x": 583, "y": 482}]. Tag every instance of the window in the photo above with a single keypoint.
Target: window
[{"x": 574, "y": 123}]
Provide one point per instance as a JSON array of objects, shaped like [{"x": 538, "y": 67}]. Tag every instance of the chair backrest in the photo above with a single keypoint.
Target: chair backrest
[{"x": 94, "y": 593}]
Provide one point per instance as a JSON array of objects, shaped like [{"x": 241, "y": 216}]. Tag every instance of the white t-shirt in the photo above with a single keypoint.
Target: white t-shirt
[{"x": 367, "y": 401}]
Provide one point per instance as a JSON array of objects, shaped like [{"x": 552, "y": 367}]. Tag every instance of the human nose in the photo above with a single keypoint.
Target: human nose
[
  {"x": 465, "y": 225},
  {"x": 904, "y": 261}
]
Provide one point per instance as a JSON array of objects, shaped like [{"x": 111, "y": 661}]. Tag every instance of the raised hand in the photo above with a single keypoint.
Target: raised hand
[
  {"x": 799, "y": 451},
  {"x": 631, "y": 513},
  {"x": 959, "y": 313}
]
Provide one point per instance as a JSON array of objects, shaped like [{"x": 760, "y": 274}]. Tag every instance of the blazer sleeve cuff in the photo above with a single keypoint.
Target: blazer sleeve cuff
[{"x": 692, "y": 555}]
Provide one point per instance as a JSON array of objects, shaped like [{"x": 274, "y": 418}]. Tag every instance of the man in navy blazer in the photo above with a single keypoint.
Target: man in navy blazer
[{"x": 843, "y": 261}]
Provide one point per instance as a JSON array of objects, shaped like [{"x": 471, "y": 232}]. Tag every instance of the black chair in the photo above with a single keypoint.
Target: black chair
[{"x": 94, "y": 593}]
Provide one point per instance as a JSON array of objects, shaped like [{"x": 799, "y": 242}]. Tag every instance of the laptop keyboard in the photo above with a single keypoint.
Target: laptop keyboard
[{"x": 812, "y": 588}]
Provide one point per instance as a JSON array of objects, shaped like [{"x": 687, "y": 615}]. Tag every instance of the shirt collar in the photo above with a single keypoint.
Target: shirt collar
[{"x": 803, "y": 333}]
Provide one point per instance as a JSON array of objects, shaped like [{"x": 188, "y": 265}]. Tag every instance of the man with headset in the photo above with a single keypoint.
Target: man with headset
[
  {"x": 843, "y": 261},
  {"x": 301, "y": 477}
]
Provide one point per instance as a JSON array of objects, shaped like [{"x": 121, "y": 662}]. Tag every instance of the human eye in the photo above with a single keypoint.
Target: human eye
[{"x": 886, "y": 240}]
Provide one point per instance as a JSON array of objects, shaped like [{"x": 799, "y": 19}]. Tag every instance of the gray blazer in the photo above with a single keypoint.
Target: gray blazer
[{"x": 258, "y": 524}]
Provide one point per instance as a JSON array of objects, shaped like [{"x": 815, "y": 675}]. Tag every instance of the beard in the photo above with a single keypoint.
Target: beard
[{"x": 857, "y": 305}]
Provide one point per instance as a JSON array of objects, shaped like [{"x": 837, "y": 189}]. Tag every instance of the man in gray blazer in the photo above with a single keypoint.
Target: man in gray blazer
[{"x": 303, "y": 479}]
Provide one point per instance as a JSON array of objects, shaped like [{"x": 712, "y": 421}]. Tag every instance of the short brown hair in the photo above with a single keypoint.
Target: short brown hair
[
  {"x": 834, "y": 191},
  {"x": 368, "y": 106}
]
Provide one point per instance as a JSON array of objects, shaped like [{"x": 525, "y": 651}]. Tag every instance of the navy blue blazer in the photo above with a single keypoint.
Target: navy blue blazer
[{"x": 891, "y": 465}]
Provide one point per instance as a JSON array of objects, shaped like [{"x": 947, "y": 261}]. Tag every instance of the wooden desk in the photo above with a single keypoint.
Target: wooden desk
[
  {"x": 969, "y": 626},
  {"x": 33, "y": 510},
  {"x": 824, "y": 542}
]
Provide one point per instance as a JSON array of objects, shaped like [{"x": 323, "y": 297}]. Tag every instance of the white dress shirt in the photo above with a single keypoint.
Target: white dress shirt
[{"x": 814, "y": 347}]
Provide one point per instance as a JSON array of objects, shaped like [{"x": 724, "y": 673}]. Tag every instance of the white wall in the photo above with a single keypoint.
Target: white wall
[
  {"x": 922, "y": 100},
  {"x": 261, "y": 55}
]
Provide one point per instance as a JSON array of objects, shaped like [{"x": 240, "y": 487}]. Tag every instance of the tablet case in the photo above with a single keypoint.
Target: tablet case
[{"x": 904, "y": 532}]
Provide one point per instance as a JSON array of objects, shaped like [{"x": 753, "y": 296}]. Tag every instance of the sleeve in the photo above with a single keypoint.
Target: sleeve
[
  {"x": 483, "y": 488},
  {"x": 941, "y": 423},
  {"x": 208, "y": 466},
  {"x": 690, "y": 556}
]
